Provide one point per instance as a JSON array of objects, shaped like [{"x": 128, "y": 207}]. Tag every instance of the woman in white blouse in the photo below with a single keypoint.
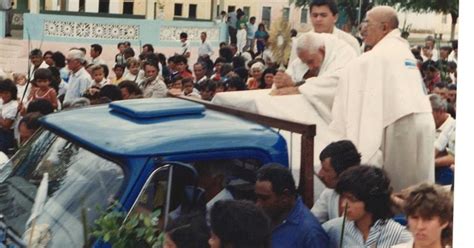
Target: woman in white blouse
[{"x": 366, "y": 191}]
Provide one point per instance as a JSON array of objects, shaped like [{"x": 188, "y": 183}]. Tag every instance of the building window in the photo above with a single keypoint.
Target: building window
[
  {"x": 266, "y": 16},
  {"x": 104, "y": 6},
  {"x": 286, "y": 14},
  {"x": 82, "y": 5},
  {"x": 304, "y": 15},
  {"x": 230, "y": 8},
  {"x": 128, "y": 8},
  {"x": 247, "y": 10},
  {"x": 178, "y": 9},
  {"x": 192, "y": 11}
]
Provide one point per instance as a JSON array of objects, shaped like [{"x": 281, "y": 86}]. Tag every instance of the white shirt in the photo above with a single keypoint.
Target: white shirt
[
  {"x": 79, "y": 82},
  {"x": 32, "y": 69},
  {"x": 348, "y": 38},
  {"x": 9, "y": 111},
  {"x": 135, "y": 78},
  {"x": 447, "y": 127},
  {"x": 205, "y": 49},
  {"x": 380, "y": 234},
  {"x": 251, "y": 29},
  {"x": 185, "y": 48},
  {"x": 98, "y": 61},
  {"x": 327, "y": 206}
]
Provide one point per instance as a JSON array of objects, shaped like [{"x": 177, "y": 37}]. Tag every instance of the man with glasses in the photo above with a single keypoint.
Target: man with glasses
[
  {"x": 381, "y": 106},
  {"x": 80, "y": 80}
]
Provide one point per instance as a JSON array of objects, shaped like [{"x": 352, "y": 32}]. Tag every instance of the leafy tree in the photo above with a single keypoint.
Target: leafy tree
[{"x": 439, "y": 6}]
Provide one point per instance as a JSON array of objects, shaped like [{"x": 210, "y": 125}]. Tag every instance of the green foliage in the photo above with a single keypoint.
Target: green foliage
[
  {"x": 137, "y": 231},
  {"x": 439, "y": 6}
]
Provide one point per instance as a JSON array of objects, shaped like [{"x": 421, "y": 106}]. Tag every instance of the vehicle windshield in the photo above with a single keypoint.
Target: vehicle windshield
[{"x": 81, "y": 185}]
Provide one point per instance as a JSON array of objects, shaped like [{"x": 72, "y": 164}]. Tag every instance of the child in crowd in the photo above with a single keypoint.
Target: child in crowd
[
  {"x": 20, "y": 81},
  {"x": 188, "y": 88},
  {"x": 134, "y": 73},
  {"x": 118, "y": 70},
  {"x": 267, "y": 78},
  {"x": 176, "y": 83},
  {"x": 99, "y": 76},
  {"x": 43, "y": 89}
]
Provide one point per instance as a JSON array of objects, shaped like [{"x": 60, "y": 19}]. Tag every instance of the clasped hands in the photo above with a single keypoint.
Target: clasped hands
[{"x": 283, "y": 85}]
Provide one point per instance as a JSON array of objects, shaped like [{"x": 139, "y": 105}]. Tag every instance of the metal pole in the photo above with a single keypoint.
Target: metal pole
[{"x": 360, "y": 12}]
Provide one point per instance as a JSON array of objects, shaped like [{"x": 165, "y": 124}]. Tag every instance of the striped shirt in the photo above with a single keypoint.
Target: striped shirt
[{"x": 383, "y": 234}]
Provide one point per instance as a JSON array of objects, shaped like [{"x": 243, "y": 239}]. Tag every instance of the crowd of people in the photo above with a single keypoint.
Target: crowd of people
[{"x": 367, "y": 196}]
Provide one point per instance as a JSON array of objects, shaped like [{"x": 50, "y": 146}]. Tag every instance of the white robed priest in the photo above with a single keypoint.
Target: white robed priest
[
  {"x": 322, "y": 56},
  {"x": 381, "y": 106}
]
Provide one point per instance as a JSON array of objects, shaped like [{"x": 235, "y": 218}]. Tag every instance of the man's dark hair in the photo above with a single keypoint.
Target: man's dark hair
[
  {"x": 129, "y": 51},
  {"x": 42, "y": 106},
  {"x": 43, "y": 74},
  {"x": 452, "y": 87},
  {"x": 280, "y": 177},
  {"x": 441, "y": 85},
  {"x": 253, "y": 18},
  {"x": 119, "y": 66},
  {"x": 454, "y": 44},
  {"x": 180, "y": 59},
  {"x": 183, "y": 35},
  {"x": 235, "y": 82},
  {"x": 105, "y": 68},
  {"x": 111, "y": 91},
  {"x": 48, "y": 53},
  {"x": 293, "y": 32},
  {"x": 189, "y": 230},
  {"x": 446, "y": 48},
  {"x": 7, "y": 85},
  {"x": 226, "y": 53},
  {"x": 31, "y": 120},
  {"x": 97, "y": 48},
  {"x": 238, "y": 61},
  {"x": 343, "y": 155},
  {"x": 370, "y": 185},
  {"x": 330, "y": 3},
  {"x": 208, "y": 85},
  {"x": 429, "y": 65},
  {"x": 220, "y": 60},
  {"x": 127, "y": 43},
  {"x": 59, "y": 59},
  {"x": 119, "y": 44},
  {"x": 240, "y": 224},
  {"x": 36, "y": 52},
  {"x": 149, "y": 47},
  {"x": 131, "y": 87}
]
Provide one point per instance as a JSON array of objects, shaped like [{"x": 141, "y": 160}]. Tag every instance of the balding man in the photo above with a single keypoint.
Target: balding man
[
  {"x": 321, "y": 57},
  {"x": 380, "y": 105}
]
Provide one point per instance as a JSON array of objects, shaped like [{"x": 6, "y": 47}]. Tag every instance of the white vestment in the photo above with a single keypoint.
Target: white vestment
[
  {"x": 377, "y": 90},
  {"x": 344, "y": 36},
  {"x": 320, "y": 90}
]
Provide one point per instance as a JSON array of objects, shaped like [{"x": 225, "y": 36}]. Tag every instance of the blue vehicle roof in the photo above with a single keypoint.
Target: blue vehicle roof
[{"x": 144, "y": 127}]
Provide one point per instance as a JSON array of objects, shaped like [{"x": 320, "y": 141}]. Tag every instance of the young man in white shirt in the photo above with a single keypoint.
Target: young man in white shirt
[{"x": 205, "y": 49}]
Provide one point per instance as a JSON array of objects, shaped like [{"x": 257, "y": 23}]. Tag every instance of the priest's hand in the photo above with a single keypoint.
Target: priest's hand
[
  {"x": 292, "y": 90},
  {"x": 282, "y": 80}
]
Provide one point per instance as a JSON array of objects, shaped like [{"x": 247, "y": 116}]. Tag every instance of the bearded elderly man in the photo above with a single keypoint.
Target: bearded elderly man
[{"x": 381, "y": 107}]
